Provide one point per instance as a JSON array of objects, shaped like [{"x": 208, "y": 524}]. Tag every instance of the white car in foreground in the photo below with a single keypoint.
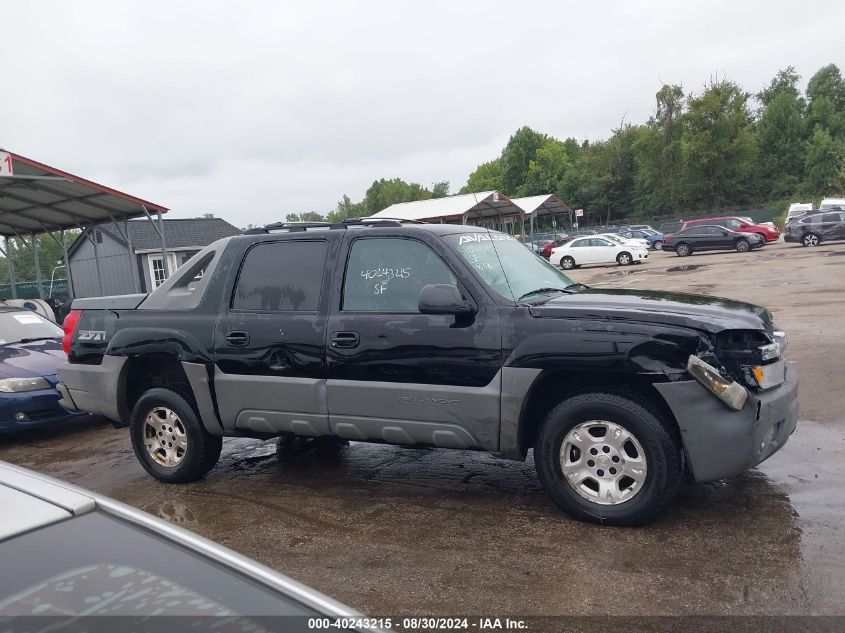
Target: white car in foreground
[{"x": 596, "y": 249}]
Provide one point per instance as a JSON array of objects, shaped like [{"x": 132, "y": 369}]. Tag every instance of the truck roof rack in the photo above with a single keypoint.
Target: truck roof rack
[
  {"x": 344, "y": 224},
  {"x": 288, "y": 226}
]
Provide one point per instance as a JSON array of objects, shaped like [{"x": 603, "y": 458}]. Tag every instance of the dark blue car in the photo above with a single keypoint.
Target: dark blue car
[{"x": 30, "y": 350}]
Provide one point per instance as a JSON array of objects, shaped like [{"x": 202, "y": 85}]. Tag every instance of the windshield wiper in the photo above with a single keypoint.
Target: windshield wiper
[
  {"x": 540, "y": 291},
  {"x": 37, "y": 338},
  {"x": 576, "y": 285}
]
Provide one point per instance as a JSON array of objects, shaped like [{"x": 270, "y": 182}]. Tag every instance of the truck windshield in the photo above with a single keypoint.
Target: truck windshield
[{"x": 506, "y": 265}]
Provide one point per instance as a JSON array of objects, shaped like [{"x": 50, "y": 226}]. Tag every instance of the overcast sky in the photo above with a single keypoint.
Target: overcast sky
[{"x": 251, "y": 110}]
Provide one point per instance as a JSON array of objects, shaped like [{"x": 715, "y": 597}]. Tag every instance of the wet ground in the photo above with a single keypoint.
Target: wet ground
[{"x": 390, "y": 530}]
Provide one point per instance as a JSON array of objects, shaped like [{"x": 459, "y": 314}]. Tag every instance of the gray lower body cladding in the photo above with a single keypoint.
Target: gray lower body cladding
[
  {"x": 92, "y": 388},
  {"x": 722, "y": 443}
]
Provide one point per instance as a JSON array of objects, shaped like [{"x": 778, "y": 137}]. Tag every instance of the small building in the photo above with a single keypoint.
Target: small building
[{"x": 147, "y": 268}]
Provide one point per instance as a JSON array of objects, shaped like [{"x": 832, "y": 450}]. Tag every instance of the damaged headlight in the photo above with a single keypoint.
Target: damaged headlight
[{"x": 730, "y": 392}]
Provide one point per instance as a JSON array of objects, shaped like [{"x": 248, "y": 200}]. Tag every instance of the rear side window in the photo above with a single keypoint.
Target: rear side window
[
  {"x": 281, "y": 277},
  {"x": 388, "y": 274}
]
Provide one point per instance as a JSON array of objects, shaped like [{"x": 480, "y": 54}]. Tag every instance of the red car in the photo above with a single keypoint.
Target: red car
[{"x": 769, "y": 232}]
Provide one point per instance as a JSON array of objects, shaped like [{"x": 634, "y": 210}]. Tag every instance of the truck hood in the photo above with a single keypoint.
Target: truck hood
[{"x": 701, "y": 312}]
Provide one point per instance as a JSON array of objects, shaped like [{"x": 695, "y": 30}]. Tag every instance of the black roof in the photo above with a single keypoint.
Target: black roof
[{"x": 178, "y": 233}]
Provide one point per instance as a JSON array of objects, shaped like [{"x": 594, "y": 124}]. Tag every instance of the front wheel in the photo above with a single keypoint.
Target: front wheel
[
  {"x": 607, "y": 459},
  {"x": 657, "y": 245},
  {"x": 811, "y": 239},
  {"x": 743, "y": 246},
  {"x": 623, "y": 259},
  {"x": 683, "y": 250},
  {"x": 169, "y": 440},
  {"x": 567, "y": 263}
]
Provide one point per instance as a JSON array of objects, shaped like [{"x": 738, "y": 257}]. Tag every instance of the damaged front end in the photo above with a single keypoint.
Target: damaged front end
[{"x": 735, "y": 360}]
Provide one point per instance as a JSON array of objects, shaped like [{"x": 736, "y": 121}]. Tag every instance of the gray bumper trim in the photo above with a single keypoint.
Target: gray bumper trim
[
  {"x": 720, "y": 442},
  {"x": 92, "y": 388}
]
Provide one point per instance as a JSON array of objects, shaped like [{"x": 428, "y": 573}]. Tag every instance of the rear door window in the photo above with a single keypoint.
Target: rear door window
[{"x": 284, "y": 276}]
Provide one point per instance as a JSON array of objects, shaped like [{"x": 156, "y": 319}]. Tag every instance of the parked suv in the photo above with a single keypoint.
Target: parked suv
[
  {"x": 815, "y": 228},
  {"x": 435, "y": 335},
  {"x": 769, "y": 232}
]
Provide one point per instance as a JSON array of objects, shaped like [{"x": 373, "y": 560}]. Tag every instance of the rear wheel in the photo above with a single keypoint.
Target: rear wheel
[
  {"x": 169, "y": 440},
  {"x": 623, "y": 259},
  {"x": 567, "y": 263},
  {"x": 607, "y": 459},
  {"x": 683, "y": 250},
  {"x": 742, "y": 245},
  {"x": 811, "y": 239}
]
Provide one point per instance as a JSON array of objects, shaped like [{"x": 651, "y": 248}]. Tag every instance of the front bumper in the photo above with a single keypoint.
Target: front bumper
[
  {"x": 31, "y": 410},
  {"x": 719, "y": 442}
]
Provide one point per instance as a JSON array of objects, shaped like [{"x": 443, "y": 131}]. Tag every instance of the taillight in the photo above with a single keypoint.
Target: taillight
[{"x": 69, "y": 325}]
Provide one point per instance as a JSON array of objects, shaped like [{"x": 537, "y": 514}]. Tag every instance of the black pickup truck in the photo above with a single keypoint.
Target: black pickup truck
[{"x": 435, "y": 335}]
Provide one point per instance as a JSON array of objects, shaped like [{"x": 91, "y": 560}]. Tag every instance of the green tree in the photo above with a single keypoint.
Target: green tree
[
  {"x": 827, "y": 83},
  {"x": 547, "y": 170},
  {"x": 307, "y": 216},
  {"x": 785, "y": 81},
  {"x": 440, "y": 189},
  {"x": 824, "y": 162},
  {"x": 780, "y": 138},
  {"x": 50, "y": 256},
  {"x": 516, "y": 159},
  {"x": 719, "y": 149},
  {"x": 486, "y": 177}
]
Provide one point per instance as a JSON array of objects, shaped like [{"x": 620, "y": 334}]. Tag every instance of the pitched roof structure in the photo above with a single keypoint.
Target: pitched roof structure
[
  {"x": 37, "y": 198},
  {"x": 178, "y": 233},
  {"x": 487, "y": 204}
]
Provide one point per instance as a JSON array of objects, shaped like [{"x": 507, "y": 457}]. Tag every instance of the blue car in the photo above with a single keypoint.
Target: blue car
[
  {"x": 655, "y": 239},
  {"x": 30, "y": 351}
]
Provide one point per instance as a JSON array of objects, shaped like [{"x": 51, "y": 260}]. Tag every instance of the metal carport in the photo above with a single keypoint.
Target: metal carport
[
  {"x": 488, "y": 206},
  {"x": 36, "y": 198},
  {"x": 543, "y": 205}
]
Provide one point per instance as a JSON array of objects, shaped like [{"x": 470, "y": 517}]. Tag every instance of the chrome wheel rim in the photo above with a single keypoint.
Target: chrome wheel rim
[
  {"x": 567, "y": 263},
  {"x": 657, "y": 245},
  {"x": 683, "y": 251},
  {"x": 624, "y": 259},
  {"x": 742, "y": 247},
  {"x": 811, "y": 240},
  {"x": 165, "y": 438},
  {"x": 603, "y": 462}
]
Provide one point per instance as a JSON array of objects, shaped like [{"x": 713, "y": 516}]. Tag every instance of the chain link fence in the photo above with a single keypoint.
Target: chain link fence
[{"x": 58, "y": 289}]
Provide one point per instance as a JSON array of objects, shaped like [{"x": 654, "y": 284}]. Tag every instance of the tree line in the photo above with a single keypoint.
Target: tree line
[{"x": 717, "y": 149}]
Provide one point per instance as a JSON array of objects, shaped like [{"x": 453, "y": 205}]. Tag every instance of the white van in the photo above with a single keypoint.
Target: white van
[
  {"x": 797, "y": 209},
  {"x": 831, "y": 203}
]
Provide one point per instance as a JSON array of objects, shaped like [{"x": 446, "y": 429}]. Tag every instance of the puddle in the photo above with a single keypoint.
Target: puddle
[
  {"x": 829, "y": 253},
  {"x": 685, "y": 268},
  {"x": 618, "y": 273}
]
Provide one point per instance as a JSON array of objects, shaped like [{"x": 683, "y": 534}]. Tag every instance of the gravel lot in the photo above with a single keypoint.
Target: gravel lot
[{"x": 395, "y": 531}]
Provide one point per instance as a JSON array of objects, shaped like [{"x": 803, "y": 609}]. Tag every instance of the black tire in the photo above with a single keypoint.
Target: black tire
[
  {"x": 202, "y": 449},
  {"x": 624, "y": 259},
  {"x": 811, "y": 239},
  {"x": 683, "y": 250},
  {"x": 657, "y": 245},
  {"x": 664, "y": 471},
  {"x": 567, "y": 263},
  {"x": 742, "y": 245}
]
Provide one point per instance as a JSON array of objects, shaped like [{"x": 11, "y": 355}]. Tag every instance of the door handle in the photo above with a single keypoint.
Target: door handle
[
  {"x": 237, "y": 338},
  {"x": 345, "y": 339}
]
